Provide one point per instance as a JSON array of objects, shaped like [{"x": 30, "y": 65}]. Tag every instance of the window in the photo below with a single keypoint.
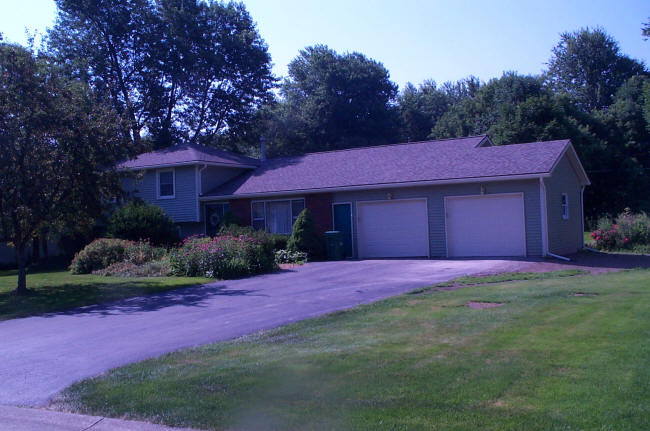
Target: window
[
  {"x": 276, "y": 216},
  {"x": 165, "y": 182},
  {"x": 565, "y": 206}
]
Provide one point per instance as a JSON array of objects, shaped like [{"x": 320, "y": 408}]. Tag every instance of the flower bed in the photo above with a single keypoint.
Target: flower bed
[
  {"x": 224, "y": 256},
  {"x": 628, "y": 232}
]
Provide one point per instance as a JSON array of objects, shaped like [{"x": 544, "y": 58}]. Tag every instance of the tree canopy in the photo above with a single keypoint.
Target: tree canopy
[
  {"x": 332, "y": 101},
  {"x": 175, "y": 70},
  {"x": 58, "y": 149}
]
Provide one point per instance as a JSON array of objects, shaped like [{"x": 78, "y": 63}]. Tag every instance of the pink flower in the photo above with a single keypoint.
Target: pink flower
[
  {"x": 593, "y": 235},
  {"x": 598, "y": 238},
  {"x": 626, "y": 239}
]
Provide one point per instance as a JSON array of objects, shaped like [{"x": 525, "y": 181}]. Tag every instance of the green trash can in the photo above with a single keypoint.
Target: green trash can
[{"x": 335, "y": 245}]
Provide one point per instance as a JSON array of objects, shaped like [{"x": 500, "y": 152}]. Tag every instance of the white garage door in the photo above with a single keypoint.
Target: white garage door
[
  {"x": 488, "y": 225},
  {"x": 395, "y": 228}
]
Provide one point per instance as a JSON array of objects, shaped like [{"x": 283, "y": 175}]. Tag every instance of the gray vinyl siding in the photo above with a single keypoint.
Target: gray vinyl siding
[
  {"x": 183, "y": 207},
  {"x": 436, "y": 208},
  {"x": 564, "y": 236}
]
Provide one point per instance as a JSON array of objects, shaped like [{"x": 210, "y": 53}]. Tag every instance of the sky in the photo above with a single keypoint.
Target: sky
[{"x": 415, "y": 40}]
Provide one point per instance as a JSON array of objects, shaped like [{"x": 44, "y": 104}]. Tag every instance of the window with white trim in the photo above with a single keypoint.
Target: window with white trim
[
  {"x": 165, "y": 180},
  {"x": 276, "y": 216},
  {"x": 565, "y": 206}
]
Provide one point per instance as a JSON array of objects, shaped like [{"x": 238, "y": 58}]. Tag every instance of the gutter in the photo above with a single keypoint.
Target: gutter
[{"x": 379, "y": 186}]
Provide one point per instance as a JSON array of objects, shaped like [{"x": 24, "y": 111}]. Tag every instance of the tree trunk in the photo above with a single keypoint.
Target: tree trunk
[
  {"x": 36, "y": 251},
  {"x": 21, "y": 288}
]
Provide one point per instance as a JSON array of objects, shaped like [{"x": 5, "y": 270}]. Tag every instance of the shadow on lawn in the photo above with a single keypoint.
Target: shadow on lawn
[
  {"x": 195, "y": 296},
  {"x": 107, "y": 299}
]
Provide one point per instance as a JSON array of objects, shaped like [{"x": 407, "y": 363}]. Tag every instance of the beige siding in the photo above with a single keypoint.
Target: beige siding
[{"x": 564, "y": 236}]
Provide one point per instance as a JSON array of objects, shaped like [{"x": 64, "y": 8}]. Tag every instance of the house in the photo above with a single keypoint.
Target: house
[{"x": 445, "y": 198}]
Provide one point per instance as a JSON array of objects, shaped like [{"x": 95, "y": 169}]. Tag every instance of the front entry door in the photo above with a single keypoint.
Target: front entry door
[{"x": 343, "y": 223}]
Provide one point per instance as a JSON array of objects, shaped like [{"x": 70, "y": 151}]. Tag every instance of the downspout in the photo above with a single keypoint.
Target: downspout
[
  {"x": 582, "y": 214},
  {"x": 542, "y": 205},
  {"x": 199, "y": 192},
  {"x": 542, "y": 198}
]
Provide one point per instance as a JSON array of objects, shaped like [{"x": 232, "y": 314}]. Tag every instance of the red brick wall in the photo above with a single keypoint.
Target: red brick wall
[
  {"x": 320, "y": 206},
  {"x": 241, "y": 208}
]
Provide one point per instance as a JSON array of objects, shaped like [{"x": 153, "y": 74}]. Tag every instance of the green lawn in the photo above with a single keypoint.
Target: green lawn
[
  {"x": 55, "y": 289},
  {"x": 546, "y": 359}
]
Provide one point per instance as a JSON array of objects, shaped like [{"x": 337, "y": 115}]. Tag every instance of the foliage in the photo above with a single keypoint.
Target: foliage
[
  {"x": 180, "y": 70},
  {"x": 305, "y": 237},
  {"x": 331, "y": 101},
  {"x": 286, "y": 256},
  {"x": 229, "y": 218},
  {"x": 588, "y": 65},
  {"x": 224, "y": 256},
  {"x": 158, "y": 268},
  {"x": 58, "y": 148},
  {"x": 104, "y": 252},
  {"x": 138, "y": 220},
  {"x": 278, "y": 240},
  {"x": 628, "y": 231},
  {"x": 420, "y": 109}
]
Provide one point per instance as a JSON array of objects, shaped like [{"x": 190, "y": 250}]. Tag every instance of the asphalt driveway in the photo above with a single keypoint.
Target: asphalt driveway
[{"x": 39, "y": 356}]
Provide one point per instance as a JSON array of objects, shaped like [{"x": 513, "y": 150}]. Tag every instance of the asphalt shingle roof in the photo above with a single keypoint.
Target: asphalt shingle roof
[
  {"x": 390, "y": 164},
  {"x": 187, "y": 154}
]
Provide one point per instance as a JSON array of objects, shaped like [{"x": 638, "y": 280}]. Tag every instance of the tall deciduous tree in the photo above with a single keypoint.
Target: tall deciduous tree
[
  {"x": 588, "y": 65},
  {"x": 58, "y": 146},
  {"x": 332, "y": 101},
  {"x": 175, "y": 69},
  {"x": 420, "y": 108}
]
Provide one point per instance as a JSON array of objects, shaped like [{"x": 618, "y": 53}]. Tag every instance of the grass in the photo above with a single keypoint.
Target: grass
[
  {"x": 510, "y": 276},
  {"x": 545, "y": 360},
  {"x": 55, "y": 289}
]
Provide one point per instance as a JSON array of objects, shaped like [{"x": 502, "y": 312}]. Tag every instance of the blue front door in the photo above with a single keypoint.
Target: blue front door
[{"x": 343, "y": 223}]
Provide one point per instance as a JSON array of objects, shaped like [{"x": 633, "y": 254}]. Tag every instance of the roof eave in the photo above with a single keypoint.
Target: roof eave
[
  {"x": 188, "y": 163},
  {"x": 532, "y": 176}
]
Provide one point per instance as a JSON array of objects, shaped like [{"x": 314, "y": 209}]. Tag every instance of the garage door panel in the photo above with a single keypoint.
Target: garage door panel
[
  {"x": 486, "y": 225},
  {"x": 396, "y": 228}
]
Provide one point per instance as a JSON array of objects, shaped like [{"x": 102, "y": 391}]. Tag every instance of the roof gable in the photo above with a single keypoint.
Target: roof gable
[
  {"x": 410, "y": 163},
  {"x": 188, "y": 154}
]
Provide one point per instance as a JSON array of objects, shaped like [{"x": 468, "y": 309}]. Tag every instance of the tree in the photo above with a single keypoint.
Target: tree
[
  {"x": 304, "y": 237},
  {"x": 645, "y": 30},
  {"x": 588, "y": 65},
  {"x": 138, "y": 220},
  {"x": 58, "y": 149},
  {"x": 332, "y": 101},
  {"x": 420, "y": 109},
  {"x": 176, "y": 70}
]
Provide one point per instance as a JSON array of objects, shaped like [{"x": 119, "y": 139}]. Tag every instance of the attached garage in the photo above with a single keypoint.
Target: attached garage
[
  {"x": 485, "y": 225},
  {"x": 393, "y": 228}
]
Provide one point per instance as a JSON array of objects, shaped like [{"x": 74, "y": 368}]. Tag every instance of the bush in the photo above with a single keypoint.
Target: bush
[
  {"x": 305, "y": 237},
  {"x": 159, "y": 268},
  {"x": 279, "y": 240},
  {"x": 224, "y": 256},
  {"x": 629, "y": 231},
  {"x": 105, "y": 252},
  {"x": 99, "y": 254},
  {"x": 286, "y": 256},
  {"x": 138, "y": 220}
]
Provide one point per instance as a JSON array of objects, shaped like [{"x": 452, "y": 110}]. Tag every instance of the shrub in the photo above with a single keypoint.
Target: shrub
[
  {"x": 286, "y": 256},
  {"x": 279, "y": 240},
  {"x": 629, "y": 231},
  {"x": 159, "y": 268},
  {"x": 99, "y": 254},
  {"x": 104, "y": 252},
  {"x": 138, "y": 220},
  {"x": 305, "y": 237},
  {"x": 224, "y": 256}
]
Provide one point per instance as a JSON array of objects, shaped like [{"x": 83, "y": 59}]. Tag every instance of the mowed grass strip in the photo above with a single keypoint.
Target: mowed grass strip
[
  {"x": 55, "y": 289},
  {"x": 546, "y": 359},
  {"x": 509, "y": 276}
]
